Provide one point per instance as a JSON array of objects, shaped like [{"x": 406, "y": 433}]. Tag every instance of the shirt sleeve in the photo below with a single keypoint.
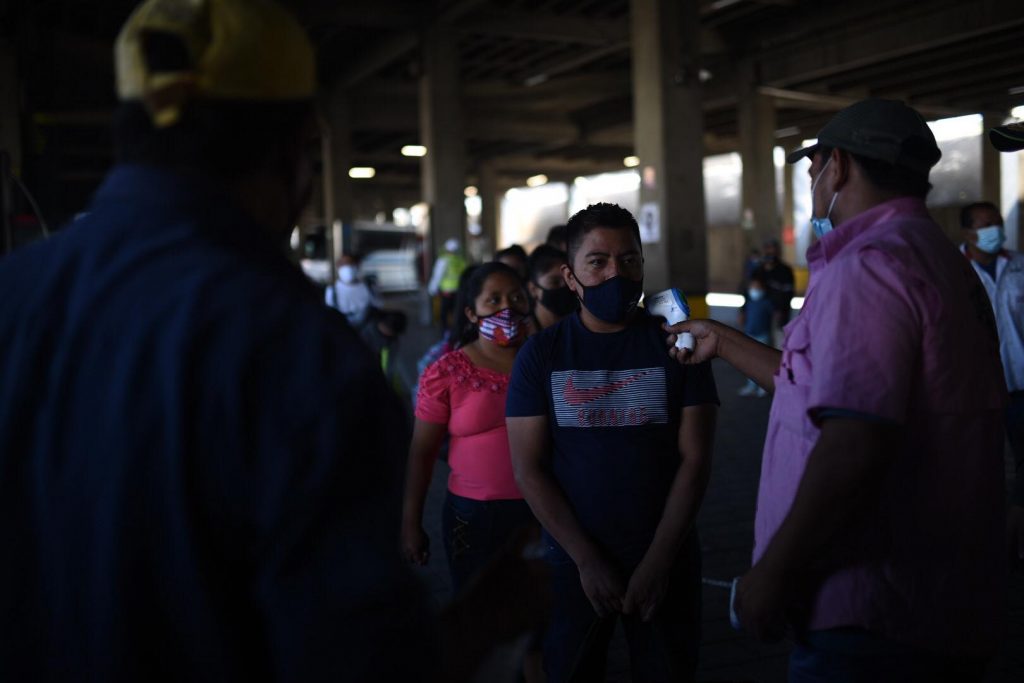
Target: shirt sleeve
[
  {"x": 433, "y": 399},
  {"x": 865, "y": 339},
  {"x": 699, "y": 386},
  {"x": 528, "y": 387}
]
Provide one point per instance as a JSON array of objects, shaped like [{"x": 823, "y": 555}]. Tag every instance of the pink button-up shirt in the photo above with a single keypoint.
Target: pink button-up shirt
[{"x": 897, "y": 326}]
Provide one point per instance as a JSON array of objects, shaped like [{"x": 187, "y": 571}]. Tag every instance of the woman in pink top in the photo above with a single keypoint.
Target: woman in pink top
[{"x": 462, "y": 395}]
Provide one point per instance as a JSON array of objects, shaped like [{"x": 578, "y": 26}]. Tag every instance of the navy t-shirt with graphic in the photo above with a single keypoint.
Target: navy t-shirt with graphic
[{"x": 614, "y": 405}]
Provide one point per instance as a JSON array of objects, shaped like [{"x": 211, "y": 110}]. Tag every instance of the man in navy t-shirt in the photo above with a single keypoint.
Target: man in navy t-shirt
[{"x": 611, "y": 445}]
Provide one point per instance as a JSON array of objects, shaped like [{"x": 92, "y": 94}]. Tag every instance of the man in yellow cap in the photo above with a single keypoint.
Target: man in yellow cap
[{"x": 199, "y": 461}]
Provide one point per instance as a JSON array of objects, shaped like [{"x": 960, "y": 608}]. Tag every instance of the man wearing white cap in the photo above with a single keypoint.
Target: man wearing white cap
[
  {"x": 445, "y": 280},
  {"x": 199, "y": 461}
]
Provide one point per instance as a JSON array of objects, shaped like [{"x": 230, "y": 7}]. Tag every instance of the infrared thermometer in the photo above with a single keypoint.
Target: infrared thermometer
[{"x": 671, "y": 304}]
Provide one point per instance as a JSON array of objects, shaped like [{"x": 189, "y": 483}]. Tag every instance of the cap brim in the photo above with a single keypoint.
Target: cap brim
[
  {"x": 1008, "y": 138},
  {"x": 797, "y": 155}
]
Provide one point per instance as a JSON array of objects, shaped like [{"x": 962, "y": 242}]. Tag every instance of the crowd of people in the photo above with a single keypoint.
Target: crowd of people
[{"x": 204, "y": 474}]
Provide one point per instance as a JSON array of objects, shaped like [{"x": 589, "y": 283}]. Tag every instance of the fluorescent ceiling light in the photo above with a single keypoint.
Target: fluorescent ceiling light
[
  {"x": 362, "y": 172},
  {"x": 471, "y": 191},
  {"x": 414, "y": 151},
  {"x": 631, "y": 162},
  {"x": 536, "y": 180}
]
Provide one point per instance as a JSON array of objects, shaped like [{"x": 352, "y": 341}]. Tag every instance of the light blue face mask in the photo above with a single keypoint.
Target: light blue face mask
[
  {"x": 991, "y": 239},
  {"x": 822, "y": 226}
]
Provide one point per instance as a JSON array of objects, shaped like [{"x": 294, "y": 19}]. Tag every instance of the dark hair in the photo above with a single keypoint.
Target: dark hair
[
  {"x": 556, "y": 235},
  {"x": 544, "y": 258},
  {"x": 514, "y": 250},
  {"x": 459, "y": 319},
  {"x": 601, "y": 215},
  {"x": 967, "y": 213},
  {"x": 222, "y": 138},
  {"x": 896, "y": 179},
  {"x": 396, "y": 321},
  {"x": 470, "y": 285}
]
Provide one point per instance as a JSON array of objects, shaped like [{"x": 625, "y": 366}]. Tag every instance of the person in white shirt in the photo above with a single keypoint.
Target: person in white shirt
[
  {"x": 350, "y": 295},
  {"x": 1002, "y": 273}
]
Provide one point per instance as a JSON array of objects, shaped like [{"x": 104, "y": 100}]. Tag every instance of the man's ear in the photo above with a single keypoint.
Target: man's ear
[
  {"x": 534, "y": 291},
  {"x": 570, "y": 281},
  {"x": 840, "y": 169}
]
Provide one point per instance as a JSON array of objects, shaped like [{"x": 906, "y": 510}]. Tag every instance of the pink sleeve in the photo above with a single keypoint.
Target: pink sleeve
[
  {"x": 433, "y": 402},
  {"x": 866, "y": 338}
]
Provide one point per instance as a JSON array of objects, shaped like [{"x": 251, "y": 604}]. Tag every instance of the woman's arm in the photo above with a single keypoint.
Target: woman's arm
[{"x": 426, "y": 441}]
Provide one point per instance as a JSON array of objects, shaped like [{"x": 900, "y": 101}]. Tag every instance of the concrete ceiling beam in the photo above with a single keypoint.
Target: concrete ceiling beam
[{"x": 855, "y": 47}]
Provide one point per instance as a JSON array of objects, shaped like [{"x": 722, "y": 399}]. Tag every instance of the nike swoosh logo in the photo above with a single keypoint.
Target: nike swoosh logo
[{"x": 577, "y": 397}]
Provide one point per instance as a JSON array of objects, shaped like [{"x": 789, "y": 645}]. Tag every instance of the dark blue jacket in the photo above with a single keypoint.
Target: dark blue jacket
[{"x": 199, "y": 462}]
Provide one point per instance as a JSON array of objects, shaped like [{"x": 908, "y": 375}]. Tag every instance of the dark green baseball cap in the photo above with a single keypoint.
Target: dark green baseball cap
[
  {"x": 1008, "y": 138},
  {"x": 886, "y": 130}
]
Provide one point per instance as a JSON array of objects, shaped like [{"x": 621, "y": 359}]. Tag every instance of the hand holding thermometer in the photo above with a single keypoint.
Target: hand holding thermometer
[{"x": 671, "y": 304}]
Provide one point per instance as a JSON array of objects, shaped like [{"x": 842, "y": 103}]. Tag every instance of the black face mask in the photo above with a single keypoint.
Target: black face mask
[
  {"x": 561, "y": 301},
  {"x": 614, "y": 299}
]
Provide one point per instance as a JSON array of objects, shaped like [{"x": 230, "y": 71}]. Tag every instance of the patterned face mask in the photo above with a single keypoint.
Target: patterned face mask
[{"x": 504, "y": 328}]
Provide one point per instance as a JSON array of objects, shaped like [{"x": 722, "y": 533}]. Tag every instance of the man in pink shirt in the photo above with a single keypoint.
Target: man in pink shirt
[{"x": 878, "y": 535}]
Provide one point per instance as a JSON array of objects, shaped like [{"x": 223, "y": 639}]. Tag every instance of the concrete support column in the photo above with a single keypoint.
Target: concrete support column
[
  {"x": 991, "y": 180},
  {"x": 10, "y": 100},
  {"x": 668, "y": 125},
  {"x": 490, "y": 206},
  {"x": 789, "y": 251},
  {"x": 444, "y": 167},
  {"x": 10, "y": 141},
  {"x": 337, "y": 160},
  {"x": 756, "y": 119}
]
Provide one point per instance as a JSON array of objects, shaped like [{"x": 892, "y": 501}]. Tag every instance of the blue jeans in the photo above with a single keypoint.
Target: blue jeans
[
  {"x": 664, "y": 649},
  {"x": 475, "y": 530},
  {"x": 854, "y": 655}
]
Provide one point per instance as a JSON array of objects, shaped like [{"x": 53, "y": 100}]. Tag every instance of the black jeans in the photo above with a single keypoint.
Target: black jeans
[
  {"x": 664, "y": 649},
  {"x": 475, "y": 530},
  {"x": 1015, "y": 434}
]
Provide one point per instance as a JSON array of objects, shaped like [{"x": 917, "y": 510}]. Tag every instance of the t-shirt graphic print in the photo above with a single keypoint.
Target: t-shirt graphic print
[{"x": 609, "y": 398}]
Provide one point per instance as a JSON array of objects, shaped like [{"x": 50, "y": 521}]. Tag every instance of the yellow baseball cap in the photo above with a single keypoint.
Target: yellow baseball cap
[{"x": 243, "y": 50}]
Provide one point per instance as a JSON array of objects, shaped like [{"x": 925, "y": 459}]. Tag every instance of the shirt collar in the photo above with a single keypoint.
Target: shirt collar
[
  {"x": 145, "y": 184},
  {"x": 176, "y": 194},
  {"x": 863, "y": 224},
  {"x": 970, "y": 256}
]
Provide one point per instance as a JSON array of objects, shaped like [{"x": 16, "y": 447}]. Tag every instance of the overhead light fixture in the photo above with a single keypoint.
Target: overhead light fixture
[
  {"x": 362, "y": 172},
  {"x": 536, "y": 180},
  {"x": 703, "y": 75},
  {"x": 1016, "y": 90},
  {"x": 787, "y": 132},
  {"x": 631, "y": 162},
  {"x": 536, "y": 79},
  {"x": 471, "y": 191},
  {"x": 414, "y": 151}
]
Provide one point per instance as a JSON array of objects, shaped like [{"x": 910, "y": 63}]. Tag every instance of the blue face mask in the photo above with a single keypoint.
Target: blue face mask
[
  {"x": 612, "y": 300},
  {"x": 991, "y": 239},
  {"x": 822, "y": 226}
]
